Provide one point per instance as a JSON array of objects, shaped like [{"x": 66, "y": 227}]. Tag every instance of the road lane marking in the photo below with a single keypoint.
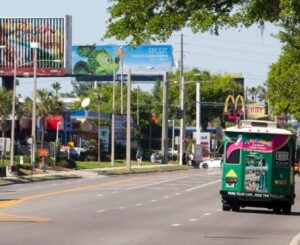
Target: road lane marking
[
  {"x": 193, "y": 220},
  {"x": 155, "y": 183},
  {"x": 295, "y": 240},
  {"x": 153, "y": 200},
  {"x": 4, "y": 217},
  {"x": 121, "y": 207},
  {"x": 176, "y": 225},
  {"x": 139, "y": 204},
  {"x": 99, "y": 195},
  {"x": 207, "y": 214},
  {"x": 101, "y": 211},
  {"x": 166, "y": 197},
  {"x": 204, "y": 185},
  {"x": 5, "y": 204}
]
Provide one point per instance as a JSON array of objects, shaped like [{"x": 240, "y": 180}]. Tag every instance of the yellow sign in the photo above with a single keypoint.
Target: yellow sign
[
  {"x": 231, "y": 173},
  {"x": 233, "y": 101}
]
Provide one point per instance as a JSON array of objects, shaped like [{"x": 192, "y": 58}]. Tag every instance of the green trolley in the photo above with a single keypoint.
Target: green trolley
[{"x": 258, "y": 166}]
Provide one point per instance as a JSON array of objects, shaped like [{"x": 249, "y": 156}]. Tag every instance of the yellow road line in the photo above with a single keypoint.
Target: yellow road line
[
  {"x": 9, "y": 203},
  {"x": 4, "y": 217}
]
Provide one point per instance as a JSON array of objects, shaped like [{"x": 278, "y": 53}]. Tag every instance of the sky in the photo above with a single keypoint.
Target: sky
[{"x": 247, "y": 51}]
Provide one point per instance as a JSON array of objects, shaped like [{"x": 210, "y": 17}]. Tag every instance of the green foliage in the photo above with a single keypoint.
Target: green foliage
[
  {"x": 159, "y": 19},
  {"x": 283, "y": 78},
  {"x": 5, "y": 108},
  {"x": 85, "y": 51},
  {"x": 81, "y": 67}
]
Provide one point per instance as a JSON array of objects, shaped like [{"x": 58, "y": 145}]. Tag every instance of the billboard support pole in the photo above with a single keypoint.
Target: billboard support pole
[
  {"x": 128, "y": 124},
  {"x": 113, "y": 123}
]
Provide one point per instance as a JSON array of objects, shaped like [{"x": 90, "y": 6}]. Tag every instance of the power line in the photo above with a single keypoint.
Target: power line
[
  {"x": 222, "y": 57},
  {"x": 229, "y": 49},
  {"x": 235, "y": 41}
]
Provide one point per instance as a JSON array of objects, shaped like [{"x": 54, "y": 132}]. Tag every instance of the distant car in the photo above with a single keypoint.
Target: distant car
[
  {"x": 297, "y": 168},
  {"x": 211, "y": 163}
]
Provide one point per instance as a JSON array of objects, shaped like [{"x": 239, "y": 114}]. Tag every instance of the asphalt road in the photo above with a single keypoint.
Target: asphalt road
[{"x": 180, "y": 207}]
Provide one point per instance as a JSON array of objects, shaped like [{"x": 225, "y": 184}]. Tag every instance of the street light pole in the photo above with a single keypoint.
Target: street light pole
[
  {"x": 128, "y": 124},
  {"x": 113, "y": 124},
  {"x": 34, "y": 46},
  {"x": 13, "y": 114},
  {"x": 99, "y": 97},
  {"x": 198, "y": 111},
  {"x": 122, "y": 56}
]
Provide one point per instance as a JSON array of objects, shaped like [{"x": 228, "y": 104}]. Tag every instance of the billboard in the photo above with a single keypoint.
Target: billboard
[
  {"x": 104, "y": 59},
  {"x": 54, "y": 39}
]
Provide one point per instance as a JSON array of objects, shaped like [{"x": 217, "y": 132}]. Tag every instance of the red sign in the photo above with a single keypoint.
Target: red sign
[
  {"x": 54, "y": 122},
  {"x": 43, "y": 152}
]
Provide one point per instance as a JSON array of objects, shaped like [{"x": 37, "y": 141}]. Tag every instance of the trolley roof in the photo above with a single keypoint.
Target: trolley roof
[{"x": 257, "y": 126}]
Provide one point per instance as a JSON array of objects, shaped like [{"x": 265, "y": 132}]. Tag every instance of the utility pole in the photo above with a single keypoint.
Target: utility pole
[
  {"x": 128, "y": 124},
  {"x": 181, "y": 56},
  {"x": 113, "y": 123},
  {"x": 198, "y": 111},
  {"x": 138, "y": 116},
  {"x": 182, "y": 122},
  {"x": 164, "y": 136}
]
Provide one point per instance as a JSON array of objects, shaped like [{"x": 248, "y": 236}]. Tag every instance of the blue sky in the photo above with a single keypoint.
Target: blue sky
[{"x": 248, "y": 51}]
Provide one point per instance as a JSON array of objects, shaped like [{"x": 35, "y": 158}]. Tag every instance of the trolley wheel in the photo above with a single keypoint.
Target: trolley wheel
[
  {"x": 226, "y": 207},
  {"x": 236, "y": 208},
  {"x": 204, "y": 165},
  {"x": 287, "y": 209},
  {"x": 276, "y": 210}
]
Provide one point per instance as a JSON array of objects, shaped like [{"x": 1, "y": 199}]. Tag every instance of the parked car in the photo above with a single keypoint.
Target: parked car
[{"x": 211, "y": 163}]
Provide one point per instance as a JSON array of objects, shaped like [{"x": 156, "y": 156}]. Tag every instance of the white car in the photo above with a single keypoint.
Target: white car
[{"x": 211, "y": 163}]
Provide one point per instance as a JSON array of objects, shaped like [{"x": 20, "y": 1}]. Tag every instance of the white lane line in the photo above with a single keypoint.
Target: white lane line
[
  {"x": 139, "y": 204},
  {"x": 155, "y": 183},
  {"x": 101, "y": 211},
  {"x": 161, "y": 188},
  {"x": 219, "y": 210},
  {"x": 193, "y": 220},
  {"x": 295, "y": 240},
  {"x": 207, "y": 214},
  {"x": 153, "y": 200},
  {"x": 178, "y": 193},
  {"x": 114, "y": 192},
  {"x": 201, "y": 186},
  {"x": 99, "y": 195},
  {"x": 122, "y": 207},
  {"x": 166, "y": 197},
  {"x": 176, "y": 225}
]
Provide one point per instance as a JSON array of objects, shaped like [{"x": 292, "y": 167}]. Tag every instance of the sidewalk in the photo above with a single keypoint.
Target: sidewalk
[{"x": 83, "y": 173}]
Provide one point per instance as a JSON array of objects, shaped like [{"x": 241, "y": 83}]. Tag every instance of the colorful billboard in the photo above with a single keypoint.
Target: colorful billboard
[
  {"x": 53, "y": 37},
  {"x": 104, "y": 59}
]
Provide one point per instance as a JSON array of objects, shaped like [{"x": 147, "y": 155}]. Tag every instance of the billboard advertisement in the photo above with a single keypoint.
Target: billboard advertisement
[
  {"x": 53, "y": 37},
  {"x": 104, "y": 59}
]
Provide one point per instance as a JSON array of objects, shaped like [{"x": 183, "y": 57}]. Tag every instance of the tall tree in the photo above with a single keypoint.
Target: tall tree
[
  {"x": 283, "y": 78},
  {"x": 47, "y": 104},
  {"x": 56, "y": 87},
  {"x": 5, "y": 109},
  {"x": 159, "y": 19}
]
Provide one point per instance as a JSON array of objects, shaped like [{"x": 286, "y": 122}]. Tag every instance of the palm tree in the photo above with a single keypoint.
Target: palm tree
[
  {"x": 56, "y": 87},
  {"x": 5, "y": 109},
  {"x": 252, "y": 93},
  {"x": 47, "y": 104}
]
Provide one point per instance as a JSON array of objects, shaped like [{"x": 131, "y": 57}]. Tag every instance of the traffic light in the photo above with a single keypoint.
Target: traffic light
[
  {"x": 178, "y": 113},
  {"x": 266, "y": 108}
]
